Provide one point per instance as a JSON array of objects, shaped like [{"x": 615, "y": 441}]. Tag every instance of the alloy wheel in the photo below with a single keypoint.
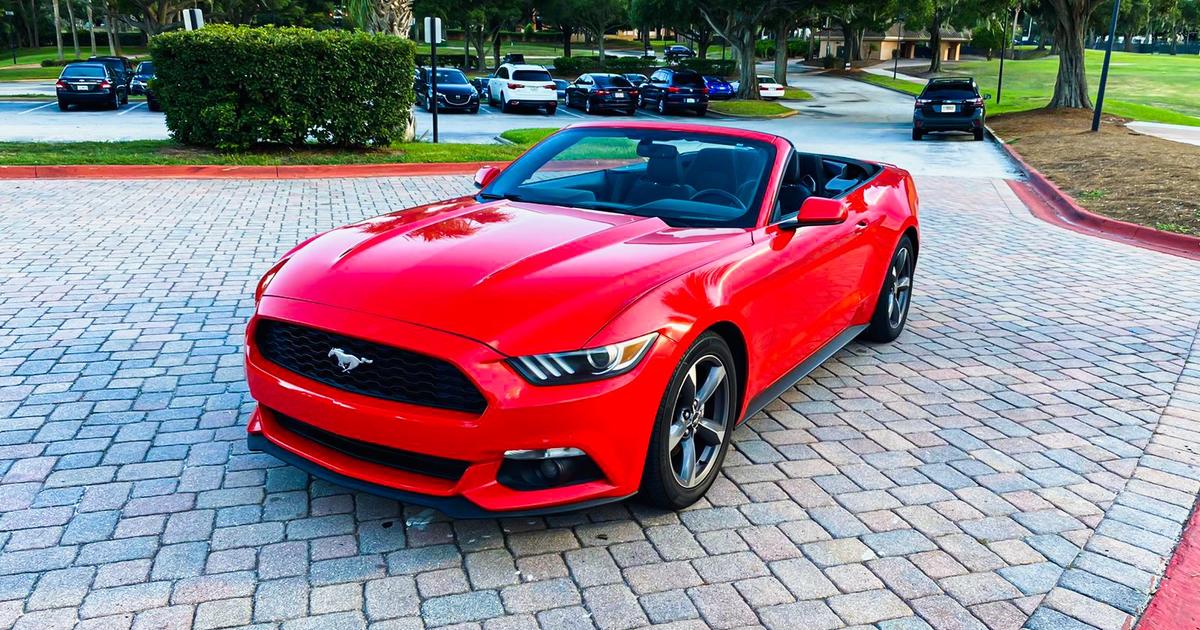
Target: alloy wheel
[
  {"x": 901, "y": 272},
  {"x": 699, "y": 421}
]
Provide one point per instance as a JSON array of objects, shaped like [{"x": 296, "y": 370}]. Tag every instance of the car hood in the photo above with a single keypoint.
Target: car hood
[
  {"x": 519, "y": 277},
  {"x": 456, "y": 88}
]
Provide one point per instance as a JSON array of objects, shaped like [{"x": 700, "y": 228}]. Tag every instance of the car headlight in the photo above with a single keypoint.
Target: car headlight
[{"x": 580, "y": 366}]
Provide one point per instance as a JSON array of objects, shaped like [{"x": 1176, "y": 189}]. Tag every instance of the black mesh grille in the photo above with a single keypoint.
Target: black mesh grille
[
  {"x": 428, "y": 465},
  {"x": 392, "y": 374}
]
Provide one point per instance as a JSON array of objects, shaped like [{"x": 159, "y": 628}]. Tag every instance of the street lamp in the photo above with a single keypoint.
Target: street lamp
[
  {"x": 1112, "y": 36},
  {"x": 12, "y": 33}
]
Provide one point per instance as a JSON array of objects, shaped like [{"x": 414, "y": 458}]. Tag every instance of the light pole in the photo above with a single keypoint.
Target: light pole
[
  {"x": 12, "y": 33},
  {"x": 1003, "y": 51},
  {"x": 1112, "y": 36}
]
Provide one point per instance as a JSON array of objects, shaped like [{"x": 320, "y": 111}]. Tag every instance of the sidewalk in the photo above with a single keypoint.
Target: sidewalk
[{"x": 1175, "y": 133}]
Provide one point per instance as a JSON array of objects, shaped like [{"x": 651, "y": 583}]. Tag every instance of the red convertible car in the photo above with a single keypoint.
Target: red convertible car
[{"x": 592, "y": 324}]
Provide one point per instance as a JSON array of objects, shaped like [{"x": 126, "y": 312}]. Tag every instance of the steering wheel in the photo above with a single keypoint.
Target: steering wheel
[{"x": 719, "y": 196}]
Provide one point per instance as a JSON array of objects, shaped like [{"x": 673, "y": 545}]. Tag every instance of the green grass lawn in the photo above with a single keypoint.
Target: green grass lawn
[
  {"x": 888, "y": 82},
  {"x": 171, "y": 153},
  {"x": 527, "y": 136},
  {"x": 796, "y": 94},
  {"x": 1154, "y": 88},
  {"x": 26, "y": 56},
  {"x": 750, "y": 108}
]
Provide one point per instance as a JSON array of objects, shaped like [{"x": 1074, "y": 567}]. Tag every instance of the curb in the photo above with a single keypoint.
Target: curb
[
  {"x": 754, "y": 117},
  {"x": 147, "y": 171},
  {"x": 1049, "y": 203},
  {"x": 1173, "y": 603}
]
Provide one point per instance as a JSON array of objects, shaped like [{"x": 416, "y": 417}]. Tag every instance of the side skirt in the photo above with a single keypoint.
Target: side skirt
[{"x": 803, "y": 369}]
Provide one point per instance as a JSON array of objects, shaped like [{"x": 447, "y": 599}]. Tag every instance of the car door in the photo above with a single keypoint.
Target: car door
[
  {"x": 496, "y": 81},
  {"x": 808, "y": 286},
  {"x": 657, "y": 86}
]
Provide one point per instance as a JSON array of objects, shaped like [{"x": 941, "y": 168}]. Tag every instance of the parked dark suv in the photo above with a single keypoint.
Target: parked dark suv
[
  {"x": 89, "y": 84},
  {"x": 454, "y": 91},
  {"x": 949, "y": 104},
  {"x": 122, "y": 68},
  {"x": 671, "y": 89}
]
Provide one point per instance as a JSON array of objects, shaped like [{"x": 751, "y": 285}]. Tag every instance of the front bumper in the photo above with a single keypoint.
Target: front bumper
[
  {"x": 926, "y": 122},
  {"x": 610, "y": 420}
]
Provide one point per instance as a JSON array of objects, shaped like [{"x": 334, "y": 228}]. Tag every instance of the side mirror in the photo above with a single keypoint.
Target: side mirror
[
  {"x": 485, "y": 175},
  {"x": 987, "y": 97},
  {"x": 817, "y": 211}
]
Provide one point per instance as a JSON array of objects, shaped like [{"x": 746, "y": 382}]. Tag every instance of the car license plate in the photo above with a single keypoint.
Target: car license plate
[
  {"x": 82, "y": 87},
  {"x": 949, "y": 109},
  {"x": 619, "y": 95},
  {"x": 689, "y": 100}
]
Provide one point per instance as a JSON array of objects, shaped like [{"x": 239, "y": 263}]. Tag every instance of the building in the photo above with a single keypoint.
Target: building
[{"x": 908, "y": 43}]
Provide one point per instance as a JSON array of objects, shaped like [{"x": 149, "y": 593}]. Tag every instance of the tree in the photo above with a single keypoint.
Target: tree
[
  {"x": 1070, "y": 34},
  {"x": 681, "y": 16},
  {"x": 957, "y": 14},
  {"x": 561, "y": 13},
  {"x": 855, "y": 18},
  {"x": 597, "y": 16},
  {"x": 739, "y": 21},
  {"x": 382, "y": 16},
  {"x": 57, "y": 29}
]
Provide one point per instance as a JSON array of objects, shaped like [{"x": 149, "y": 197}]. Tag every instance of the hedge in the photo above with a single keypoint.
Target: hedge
[
  {"x": 452, "y": 60},
  {"x": 574, "y": 66},
  {"x": 236, "y": 87},
  {"x": 718, "y": 67},
  {"x": 765, "y": 48}
]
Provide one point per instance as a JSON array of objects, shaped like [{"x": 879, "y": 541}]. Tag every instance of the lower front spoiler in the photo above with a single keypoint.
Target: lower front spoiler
[{"x": 454, "y": 507}]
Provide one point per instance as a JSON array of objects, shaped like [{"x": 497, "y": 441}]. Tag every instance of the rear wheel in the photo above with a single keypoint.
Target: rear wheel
[
  {"x": 116, "y": 102},
  {"x": 891, "y": 309},
  {"x": 125, "y": 99},
  {"x": 631, "y": 111},
  {"x": 551, "y": 108},
  {"x": 63, "y": 106},
  {"x": 917, "y": 134},
  {"x": 701, "y": 111},
  {"x": 978, "y": 135},
  {"x": 693, "y": 427}
]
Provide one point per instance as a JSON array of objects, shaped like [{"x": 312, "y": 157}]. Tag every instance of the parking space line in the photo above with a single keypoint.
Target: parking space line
[
  {"x": 135, "y": 106},
  {"x": 649, "y": 115},
  {"x": 566, "y": 112},
  {"x": 37, "y": 108}
]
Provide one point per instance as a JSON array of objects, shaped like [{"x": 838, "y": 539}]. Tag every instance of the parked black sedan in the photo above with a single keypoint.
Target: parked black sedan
[
  {"x": 597, "y": 91},
  {"x": 454, "y": 91},
  {"x": 950, "y": 104},
  {"x": 89, "y": 84},
  {"x": 122, "y": 68}
]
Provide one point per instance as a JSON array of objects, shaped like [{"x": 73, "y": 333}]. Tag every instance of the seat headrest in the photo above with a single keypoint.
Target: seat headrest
[{"x": 649, "y": 149}]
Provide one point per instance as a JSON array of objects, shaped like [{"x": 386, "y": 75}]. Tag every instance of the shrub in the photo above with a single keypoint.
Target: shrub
[
  {"x": 235, "y": 87},
  {"x": 765, "y": 48},
  {"x": 452, "y": 60},
  {"x": 575, "y": 66}
]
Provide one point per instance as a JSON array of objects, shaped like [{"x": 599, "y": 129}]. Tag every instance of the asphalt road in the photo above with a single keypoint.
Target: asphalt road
[{"x": 845, "y": 117}]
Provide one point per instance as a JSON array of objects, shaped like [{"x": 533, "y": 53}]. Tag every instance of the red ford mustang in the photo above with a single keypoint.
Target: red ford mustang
[{"x": 591, "y": 325}]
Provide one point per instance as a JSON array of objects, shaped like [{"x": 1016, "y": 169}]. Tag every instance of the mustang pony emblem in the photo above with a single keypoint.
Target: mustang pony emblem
[{"x": 347, "y": 361}]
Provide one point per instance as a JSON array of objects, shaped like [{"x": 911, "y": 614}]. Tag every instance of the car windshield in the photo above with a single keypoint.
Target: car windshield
[
  {"x": 953, "y": 91},
  {"x": 620, "y": 82},
  {"x": 531, "y": 75},
  {"x": 82, "y": 72},
  {"x": 766, "y": 80},
  {"x": 451, "y": 77},
  {"x": 685, "y": 178},
  {"x": 145, "y": 68}
]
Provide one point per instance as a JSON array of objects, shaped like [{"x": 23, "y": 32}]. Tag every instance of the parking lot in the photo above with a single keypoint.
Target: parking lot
[{"x": 1018, "y": 457}]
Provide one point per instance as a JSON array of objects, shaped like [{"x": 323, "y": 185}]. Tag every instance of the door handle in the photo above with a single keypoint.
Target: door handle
[{"x": 862, "y": 225}]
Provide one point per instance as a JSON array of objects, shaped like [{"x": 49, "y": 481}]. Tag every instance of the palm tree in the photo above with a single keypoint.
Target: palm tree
[{"x": 382, "y": 16}]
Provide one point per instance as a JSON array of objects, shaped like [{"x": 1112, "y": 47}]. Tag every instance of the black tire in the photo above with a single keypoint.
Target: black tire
[
  {"x": 116, "y": 102},
  {"x": 474, "y": 110},
  {"x": 701, "y": 111},
  {"x": 891, "y": 307},
  {"x": 587, "y": 105},
  {"x": 917, "y": 135},
  {"x": 978, "y": 135},
  {"x": 662, "y": 105},
  {"x": 641, "y": 102},
  {"x": 153, "y": 106},
  {"x": 631, "y": 111},
  {"x": 661, "y": 485},
  {"x": 491, "y": 101},
  {"x": 62, "y": 107},
  {"x": 125, "y": 99},
  {"x": 504, "y": 104},
  {"x": 551, "y": 109}
]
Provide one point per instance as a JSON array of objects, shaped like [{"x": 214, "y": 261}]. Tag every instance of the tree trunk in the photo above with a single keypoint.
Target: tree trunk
[
  {"x": 935, "y": 42},
  {"x": 33, "y": 22},
  {"x": 496, "y": 48},
  {"x": 1128, "y": 46},
  {"x": 91, "y": 27},
  {"x": 703, "y": 43},
  {"x": 1070, "y": 31},
  {"x": 781, "y": 52},
  {"x": 566, "y": 40},
  {"x": 747, "y": 80},
  {"x": 57, "y": 29},
  {"x": 110, "y": 22},
  {"x": 74, "y": 35},
  {"x": 847, "y": 42},
  {"x": 477, "y": 39},
  {"x": 600, "y": 45}
]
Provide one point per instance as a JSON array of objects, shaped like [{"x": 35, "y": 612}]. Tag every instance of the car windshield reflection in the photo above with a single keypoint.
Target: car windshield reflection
[{"x": 687, "y": 179}]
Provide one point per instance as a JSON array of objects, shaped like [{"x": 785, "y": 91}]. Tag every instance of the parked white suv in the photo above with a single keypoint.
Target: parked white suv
[{"x": 522, "y": 85}]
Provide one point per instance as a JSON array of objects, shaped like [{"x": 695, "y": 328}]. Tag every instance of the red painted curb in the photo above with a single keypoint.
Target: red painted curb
[
  {"x": 147, "y": 171},
  {"x": 1049, "y": 203},
  {"x": 1174, "y": 603}
]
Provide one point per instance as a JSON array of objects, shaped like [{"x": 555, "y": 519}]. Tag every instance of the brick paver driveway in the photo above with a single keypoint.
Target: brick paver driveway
[{"x": 1033, "y": 418}]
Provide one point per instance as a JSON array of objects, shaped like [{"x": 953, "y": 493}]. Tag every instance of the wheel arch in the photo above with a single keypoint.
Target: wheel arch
[{"x": 736, "y": 341}]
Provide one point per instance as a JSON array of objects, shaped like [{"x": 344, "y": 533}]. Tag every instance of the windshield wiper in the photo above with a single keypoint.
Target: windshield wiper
[{"x": 508, "y": 196}]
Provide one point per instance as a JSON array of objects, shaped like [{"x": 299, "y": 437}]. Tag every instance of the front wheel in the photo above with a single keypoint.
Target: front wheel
[
  {"x": 693, "y": 426},
  {"x": 891, "y": 309},
  {"x": 662, "y": 105}
]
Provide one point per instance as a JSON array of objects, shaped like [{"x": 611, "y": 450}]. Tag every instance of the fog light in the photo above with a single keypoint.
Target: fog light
[{"x": 538, "y": 469}]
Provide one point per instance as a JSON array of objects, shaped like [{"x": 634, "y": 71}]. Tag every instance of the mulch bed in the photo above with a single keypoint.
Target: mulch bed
[{"x": 1116, "y": 172}]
